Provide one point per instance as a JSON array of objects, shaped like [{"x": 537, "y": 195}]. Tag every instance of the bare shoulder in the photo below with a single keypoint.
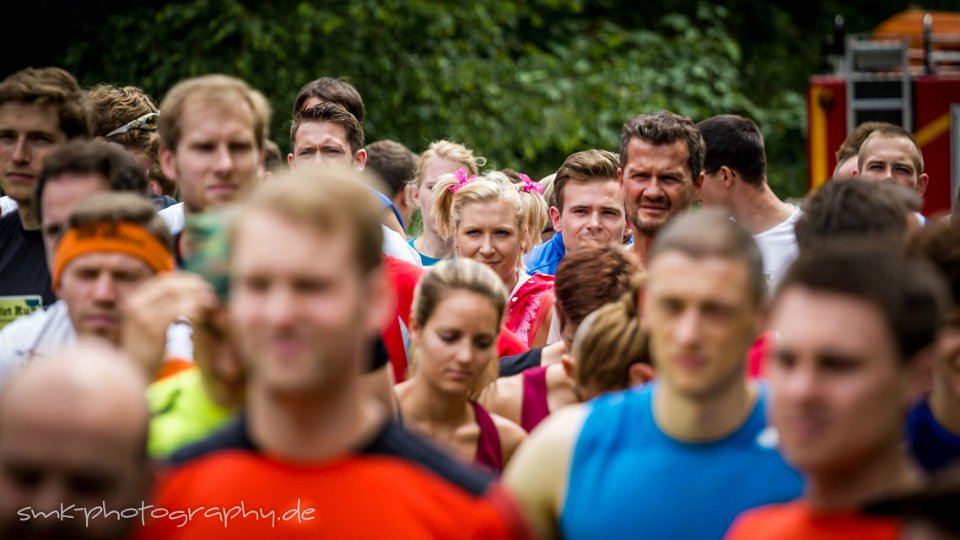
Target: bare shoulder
[
  {"x": 504, "y": 397},
  {"x": 511, "y": 435},
  {"x": 537, "y": 474}
]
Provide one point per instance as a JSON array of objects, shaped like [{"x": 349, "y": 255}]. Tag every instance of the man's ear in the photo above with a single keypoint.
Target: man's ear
[
  {"x": 697, "y": 185},
  {"x": 407, "y": 195},
  {"x": 381, "y": 303},
  {"x": 168, "y": 163},
  {"x": 360, "y": 159},
  {"x": 555, "y": 218},
  {"x": 290, "y": 160},
  {"x": 262, "y": 162},
  {"x": 922, "y": 184},
  {"x": 728, "y": 176},
  {"x": 640, "y": 374},
  {"x": 415, "y": 195},
  {"x": 620, "y": 177}
]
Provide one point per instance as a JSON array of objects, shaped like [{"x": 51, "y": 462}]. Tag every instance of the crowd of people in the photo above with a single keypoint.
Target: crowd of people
[{"x": 201, "y": 339}]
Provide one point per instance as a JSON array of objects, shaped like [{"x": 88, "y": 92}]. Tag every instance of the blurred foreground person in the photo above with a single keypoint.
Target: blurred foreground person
[
  {"x": 641, "y": 463},
  {"x": 70, "y": 449},
  {"x": 853, "y": 327},
  {"x": 310, "y": 449},
  {"x": 934, "y": 424}
]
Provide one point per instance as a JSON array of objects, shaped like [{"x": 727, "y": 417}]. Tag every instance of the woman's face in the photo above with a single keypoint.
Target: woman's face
[
  {"x": 458, "y": 342},
  {"x": 488, "y": 233},
  {"x": 435, "y": 167}
]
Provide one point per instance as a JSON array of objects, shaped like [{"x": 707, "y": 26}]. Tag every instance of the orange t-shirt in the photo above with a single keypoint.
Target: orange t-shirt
[
  {"x": 397, "y": 486},
  {"x": 796, "y": 521}
]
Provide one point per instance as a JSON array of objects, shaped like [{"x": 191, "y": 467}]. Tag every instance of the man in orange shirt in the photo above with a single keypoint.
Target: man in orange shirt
[
  {"x": 853, "y": 329},
  {"x": 312, "y": 455}
]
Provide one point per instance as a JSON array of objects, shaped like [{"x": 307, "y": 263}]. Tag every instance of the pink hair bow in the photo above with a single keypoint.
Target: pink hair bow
[
  {"x": 462, "y": 180},
  {"x": 529, "y": 185}
]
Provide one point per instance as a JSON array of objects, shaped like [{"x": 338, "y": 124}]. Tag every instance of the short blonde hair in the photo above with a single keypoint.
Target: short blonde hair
[
  {"x": 222, "y": 90},
  {"x": 455, "y": 275},
  {"x": 535, "y": 216},
  {"x": 329, "y": 199},
  {"x": 452, "y": 151}
]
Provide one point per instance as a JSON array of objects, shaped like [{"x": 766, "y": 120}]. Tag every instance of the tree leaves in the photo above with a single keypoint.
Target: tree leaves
[{"x": 524, "y": 84}]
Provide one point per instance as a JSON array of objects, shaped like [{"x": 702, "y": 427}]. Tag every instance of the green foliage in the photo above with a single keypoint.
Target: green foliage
[{"x": 524, "y": 84}]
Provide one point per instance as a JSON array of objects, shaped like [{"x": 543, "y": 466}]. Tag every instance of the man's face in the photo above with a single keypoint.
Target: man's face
[
  {"x": 592, "y": 213},
  {"x": 714, "y": 192},
  {"x": 60, "y": 195},
  {"x": 701, "y": 319},
  {"x": 49, "y": 458},
  {"x": 216, "y": 159},
  {"x": 435, "y": 167},
  {"x": 28, "y": 134},
  {"x": 657, "y": 183},
  {"x": 94, "y": 287},
  {"x": 300, "y": 319},
  {"x": 323, "y": 143},
  {"x": 892, "y": 159},
  {"x": 839, "y": 393}
]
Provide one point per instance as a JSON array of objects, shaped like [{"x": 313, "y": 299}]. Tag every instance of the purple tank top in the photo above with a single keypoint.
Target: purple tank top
[
  {"x": 489, "y": 452},
  {"x": 534, "y": 407}
]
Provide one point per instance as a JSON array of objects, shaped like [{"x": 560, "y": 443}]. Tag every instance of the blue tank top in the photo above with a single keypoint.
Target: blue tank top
[
  {"x": 628, "y": 479},
  {"x": 426, "y": 260}
]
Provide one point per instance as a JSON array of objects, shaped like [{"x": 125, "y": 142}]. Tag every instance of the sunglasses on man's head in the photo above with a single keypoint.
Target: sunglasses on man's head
[{"x": 147, "y": 122}]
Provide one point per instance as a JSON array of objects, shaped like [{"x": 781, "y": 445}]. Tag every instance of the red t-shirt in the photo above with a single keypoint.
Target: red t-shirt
[
  {"x": 795, "y": 521},
  {"x": 757, "y": 354}
]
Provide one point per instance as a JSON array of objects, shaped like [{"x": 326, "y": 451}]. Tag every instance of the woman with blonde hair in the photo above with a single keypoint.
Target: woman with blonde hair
[
  {"x": 484, "y": 216},
  {"x": 440, "y": 158},
  {"x": 536, "y": 215},
  {"x": 457, "y": 311}
]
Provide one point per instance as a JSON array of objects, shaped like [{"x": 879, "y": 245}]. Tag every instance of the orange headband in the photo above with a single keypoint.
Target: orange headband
[{"x": 123, "y": 237}]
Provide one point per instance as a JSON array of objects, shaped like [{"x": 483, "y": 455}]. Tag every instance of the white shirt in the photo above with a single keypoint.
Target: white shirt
[
  {"x": 43, "y": 332},
  {"x": 778, "y": 245},
  {"x": 173, "y": 217},
  {"x": 36, "y": 334},
  {"x": 7, "y": 205}
]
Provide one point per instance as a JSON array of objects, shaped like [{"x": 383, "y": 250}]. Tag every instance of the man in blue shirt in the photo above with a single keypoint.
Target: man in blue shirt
[
  {"x": 587, "y": 208},
  {"x": 683, "y": 456}
]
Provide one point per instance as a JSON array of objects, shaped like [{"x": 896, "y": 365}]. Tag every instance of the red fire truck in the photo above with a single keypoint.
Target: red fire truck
[{"x": 906, "y": 72}]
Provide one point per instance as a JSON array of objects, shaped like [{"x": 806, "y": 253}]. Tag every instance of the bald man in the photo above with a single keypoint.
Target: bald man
[{"x": 77, "y": 455}]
